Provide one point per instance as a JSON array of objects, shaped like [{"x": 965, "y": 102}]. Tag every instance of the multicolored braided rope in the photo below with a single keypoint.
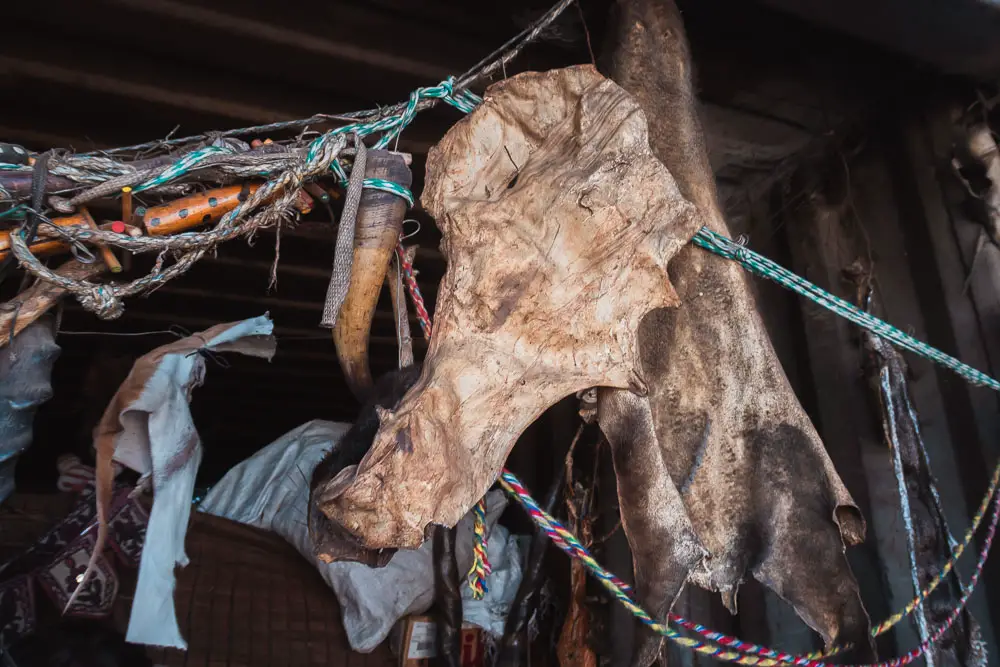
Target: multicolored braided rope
[
  {"x": 480, "y": 560},
  {"x": 414, "y": 289},
  {"x": 893, "y": 620},
  {"x": 727, "y": 648}
]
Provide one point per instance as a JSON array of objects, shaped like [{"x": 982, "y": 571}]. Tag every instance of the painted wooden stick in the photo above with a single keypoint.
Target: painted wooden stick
[
  {"x": 127, "y": 211},
  {"x": 53, "y": 246},
  {"x": 47, "y": 243},
  {"x": 204, "y": 208}
]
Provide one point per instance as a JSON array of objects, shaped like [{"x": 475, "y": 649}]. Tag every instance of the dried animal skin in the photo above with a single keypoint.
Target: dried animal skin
[
  {"x": 558, "y": 224},
  {"x": 760, "y": 490}
]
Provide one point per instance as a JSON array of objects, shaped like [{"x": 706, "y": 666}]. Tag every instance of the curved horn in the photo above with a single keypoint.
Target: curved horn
[{"x": 379, "y": 223}]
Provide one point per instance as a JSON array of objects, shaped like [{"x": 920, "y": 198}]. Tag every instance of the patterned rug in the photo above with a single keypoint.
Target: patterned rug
[{"x": 56, "y": 562}]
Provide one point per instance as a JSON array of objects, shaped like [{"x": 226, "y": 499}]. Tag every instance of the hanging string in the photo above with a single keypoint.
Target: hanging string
[{"x": 480, "y": 561}]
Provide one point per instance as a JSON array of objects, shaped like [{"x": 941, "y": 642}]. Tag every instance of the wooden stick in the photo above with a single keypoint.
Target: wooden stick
[
  {"x": 56, "y": 246},
  {"x": 109, "y": 257},
  {"x": 195, "y": 210},
  {"x": 399, "y": 309},
  {"x": 204, "y": 208},
  {"x": 127, "y": 205},
  {"x": 45, "y": 243},
  {"x": 40, "y": 297}
]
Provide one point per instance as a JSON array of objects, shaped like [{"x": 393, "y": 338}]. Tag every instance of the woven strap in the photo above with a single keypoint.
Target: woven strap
[{"x": 343, "y": 255}]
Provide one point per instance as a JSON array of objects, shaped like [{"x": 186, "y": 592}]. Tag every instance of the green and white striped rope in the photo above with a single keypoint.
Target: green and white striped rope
[
  {"x": 389, "y": 186},
  {"x": 183, "y": 165},
  {"x": 762, "y": 266}
]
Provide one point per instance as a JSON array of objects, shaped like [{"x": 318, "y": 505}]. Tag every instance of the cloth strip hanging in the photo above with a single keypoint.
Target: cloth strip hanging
[{"x": 343, "y": 254}]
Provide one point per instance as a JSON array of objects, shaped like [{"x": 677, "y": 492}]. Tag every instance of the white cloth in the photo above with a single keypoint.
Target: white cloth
[{"x": 270, "y": 490}]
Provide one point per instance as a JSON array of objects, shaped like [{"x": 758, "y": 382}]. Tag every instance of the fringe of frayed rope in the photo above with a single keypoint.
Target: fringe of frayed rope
[{"x": 726, "y": 647}]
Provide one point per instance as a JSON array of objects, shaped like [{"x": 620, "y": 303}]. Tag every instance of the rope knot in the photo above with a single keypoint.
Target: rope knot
[
  {"x": 448, "y": 85},
  {"x": 102, "y": 301}
]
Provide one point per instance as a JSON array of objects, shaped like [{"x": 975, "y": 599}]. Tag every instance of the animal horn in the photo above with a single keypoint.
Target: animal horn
[{"x": 379, "y": 223}]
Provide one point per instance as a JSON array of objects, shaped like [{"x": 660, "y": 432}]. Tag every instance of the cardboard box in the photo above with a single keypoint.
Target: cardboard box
[{"x": 415, "y": 643}]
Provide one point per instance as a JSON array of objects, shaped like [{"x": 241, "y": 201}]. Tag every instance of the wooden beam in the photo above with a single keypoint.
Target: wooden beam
[{"x": 261, "y": 31}]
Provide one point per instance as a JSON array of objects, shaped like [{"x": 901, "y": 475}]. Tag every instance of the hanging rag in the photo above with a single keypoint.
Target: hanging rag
[{"x": 148, "y": 427}]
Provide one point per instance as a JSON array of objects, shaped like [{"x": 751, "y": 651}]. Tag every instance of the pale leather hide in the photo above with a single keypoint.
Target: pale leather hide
[{"x": 558, "y": 223}]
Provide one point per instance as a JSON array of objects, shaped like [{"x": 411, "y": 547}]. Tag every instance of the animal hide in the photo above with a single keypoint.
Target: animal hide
[
  {"x": 148, "y": 427},
  {"x": 758, "y": 486},
  {"x": 558, "y": 223}
]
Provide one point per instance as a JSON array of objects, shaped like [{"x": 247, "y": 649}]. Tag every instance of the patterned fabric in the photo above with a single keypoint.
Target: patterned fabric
[
  {"x": 61, "y": 577},
  {"x": 128, "y": 531},
  {"x": 58, "y": 559}
]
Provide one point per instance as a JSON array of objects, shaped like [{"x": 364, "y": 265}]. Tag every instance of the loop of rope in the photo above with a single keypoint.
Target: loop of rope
[
  {"x": 389, "y": 186},
  {"x": 745, "y": 653}
]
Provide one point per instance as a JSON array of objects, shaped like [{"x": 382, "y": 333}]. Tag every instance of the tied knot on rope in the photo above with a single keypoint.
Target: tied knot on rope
[{"x": 101, "y": 300}]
